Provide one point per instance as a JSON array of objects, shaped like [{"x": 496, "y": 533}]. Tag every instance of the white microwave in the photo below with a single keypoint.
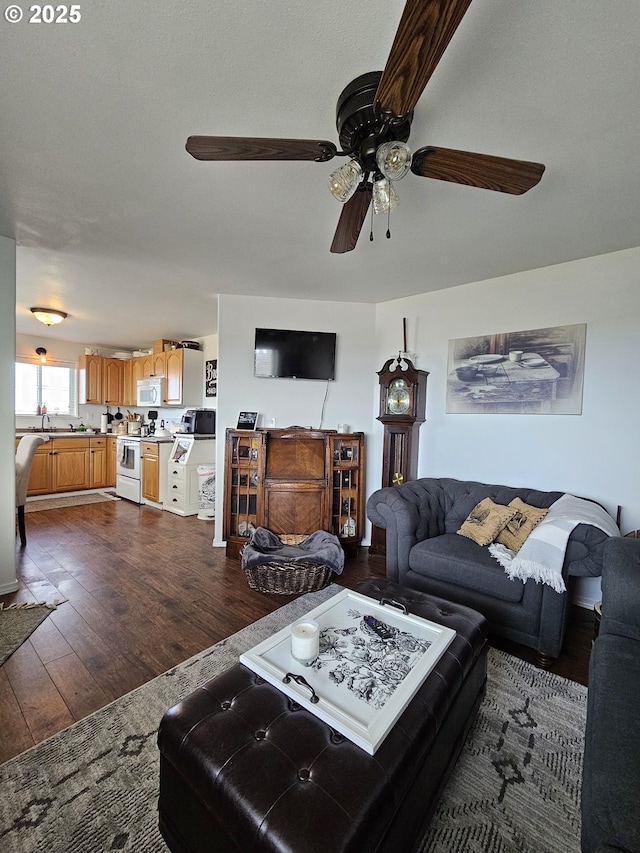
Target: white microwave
[{"x": 151, "y": 391}]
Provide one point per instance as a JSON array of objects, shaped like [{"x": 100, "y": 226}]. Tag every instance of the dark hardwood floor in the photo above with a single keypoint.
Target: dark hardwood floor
[{"x": 146, "y": 590}]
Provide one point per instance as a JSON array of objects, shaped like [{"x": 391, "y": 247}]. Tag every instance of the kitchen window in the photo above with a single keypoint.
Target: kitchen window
[{"x": 45, "y": 384}]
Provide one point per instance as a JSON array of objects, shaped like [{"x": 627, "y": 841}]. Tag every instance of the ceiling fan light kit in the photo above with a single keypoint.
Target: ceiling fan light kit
[
  {"x": 394, "y": 159},
  {"x": 373, "y": 118},
  {"x": 385, "y": 198},
  {"x": 343, "y": 182}
]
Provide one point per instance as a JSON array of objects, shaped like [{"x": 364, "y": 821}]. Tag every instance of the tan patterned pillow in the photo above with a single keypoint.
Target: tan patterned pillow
[
  {"x": 485, "y": 521},
  {"x": 520, "y": 526}
]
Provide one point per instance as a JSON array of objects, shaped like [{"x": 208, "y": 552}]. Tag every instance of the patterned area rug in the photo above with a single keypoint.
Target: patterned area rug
[
  {"x": 516, "y": 788},
  {"x": 17, "y": 623},
  {"x": 69, "y": 500}
]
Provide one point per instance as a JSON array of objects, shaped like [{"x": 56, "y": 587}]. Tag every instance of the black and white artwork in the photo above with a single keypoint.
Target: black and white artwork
[
  {"x": 537, "y": 371},
  {"x": 211, "y": 378},
  {"x": 369, "y": 659}
]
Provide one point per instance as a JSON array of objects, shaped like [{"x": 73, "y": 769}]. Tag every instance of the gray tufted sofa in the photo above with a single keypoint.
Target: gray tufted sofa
[
  {"x": 424, "y": 553},
  {"x": 611, "y": 773}
]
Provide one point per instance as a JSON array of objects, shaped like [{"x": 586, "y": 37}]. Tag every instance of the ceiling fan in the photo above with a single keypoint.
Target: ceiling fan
[{"x": 373, "y": 118}]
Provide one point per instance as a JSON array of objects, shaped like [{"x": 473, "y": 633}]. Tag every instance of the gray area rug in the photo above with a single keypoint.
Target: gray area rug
[
  {"x": 516, "y": 788},
  {"x": 37, "y": 505},
  {"x": 17, "y": 623}
]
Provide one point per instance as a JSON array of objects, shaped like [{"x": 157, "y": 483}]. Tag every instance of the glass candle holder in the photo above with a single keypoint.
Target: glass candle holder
[{"x": 305, "y": 641}]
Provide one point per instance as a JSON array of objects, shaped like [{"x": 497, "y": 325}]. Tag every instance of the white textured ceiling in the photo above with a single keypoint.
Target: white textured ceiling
[{"x": 117, "y": 225}]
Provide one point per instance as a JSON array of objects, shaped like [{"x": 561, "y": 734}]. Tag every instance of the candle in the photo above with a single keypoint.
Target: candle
[{"x": 305, "y": 641}]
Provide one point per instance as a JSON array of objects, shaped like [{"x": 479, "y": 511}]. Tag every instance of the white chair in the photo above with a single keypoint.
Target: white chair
[{"x": 25, "y": 452}]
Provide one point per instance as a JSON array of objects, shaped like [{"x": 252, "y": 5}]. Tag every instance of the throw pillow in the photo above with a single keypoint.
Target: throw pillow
[
  {"x": 513, "y": 535},
  {"x": 485, "y": 521}
]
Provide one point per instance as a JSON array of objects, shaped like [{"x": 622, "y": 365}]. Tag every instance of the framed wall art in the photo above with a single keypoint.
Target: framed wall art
[
  {"x": 538, "y": 371},
  {"x": 211, "y": 378}
]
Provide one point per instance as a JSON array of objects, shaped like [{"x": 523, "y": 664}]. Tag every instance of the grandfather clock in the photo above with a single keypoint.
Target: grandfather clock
[{"x": 403, "y": 399}]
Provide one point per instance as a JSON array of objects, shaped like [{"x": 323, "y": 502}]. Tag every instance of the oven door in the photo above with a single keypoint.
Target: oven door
[{"x": 128, "y": 458}]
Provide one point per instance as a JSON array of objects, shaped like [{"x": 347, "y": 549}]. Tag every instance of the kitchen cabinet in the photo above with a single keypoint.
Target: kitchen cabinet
[
  {"x": 151, "y": 471},
  {"x": 184, "y": 377},
  {"x": 158, "y": 363},
  {"x": 183, "y": 372},
  {"x": 129, "y": 395},
  {"x": 90, "y": 379},
  {"x": 154, "y": 461},
  {"x": 40, "y": 479},
  {"x": 100, "y": 380},
  {"x": 111, "y": 460},
  {"x": 112, "y": 381},
  {"x": 293, "y": 481},
  {"x": 98, "y": 477},
  {"x": 70, "y": 464},
  {"x": 73, "y": 464}
]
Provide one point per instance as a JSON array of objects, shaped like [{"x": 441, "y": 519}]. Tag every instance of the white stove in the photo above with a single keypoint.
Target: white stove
[{"x": 128, "y": 473}]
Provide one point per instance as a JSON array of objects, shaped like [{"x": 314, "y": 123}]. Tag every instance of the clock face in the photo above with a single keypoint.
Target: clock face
[{"x": 398, "y": 397}]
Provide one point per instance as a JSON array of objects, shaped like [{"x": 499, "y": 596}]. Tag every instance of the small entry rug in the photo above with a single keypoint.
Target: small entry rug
[
  {"x": 516, "y": 787},
  {"x": 68, "y": 500},
  {"x": 17, "y": 622}
]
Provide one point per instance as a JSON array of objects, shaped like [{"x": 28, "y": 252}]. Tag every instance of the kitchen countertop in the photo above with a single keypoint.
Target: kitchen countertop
[{"x": 80, "y": 434}]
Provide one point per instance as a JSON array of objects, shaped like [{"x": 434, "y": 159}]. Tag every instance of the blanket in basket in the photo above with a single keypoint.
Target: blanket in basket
[
  {"x": 321, "y": 547},
  {"x": 542, "y": 555}
]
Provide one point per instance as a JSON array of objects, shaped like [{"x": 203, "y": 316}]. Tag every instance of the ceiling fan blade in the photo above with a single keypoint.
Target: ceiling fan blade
[
  {"x": 351, "y": 221},
  {"x": 426, "y": 28},
  {"x": 476, "y": 170},
  {"x": 257, "y": 148}
]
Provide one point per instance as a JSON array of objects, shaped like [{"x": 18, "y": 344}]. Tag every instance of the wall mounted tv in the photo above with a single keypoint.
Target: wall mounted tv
[{"x": 293, "y": 354}]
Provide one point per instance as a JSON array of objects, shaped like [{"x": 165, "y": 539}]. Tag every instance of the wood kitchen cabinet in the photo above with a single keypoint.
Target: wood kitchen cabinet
[
  {"x": 41, "y": 479},
  {"x": 72, "y": 464},
  {"x": 129, "y": 391},
  {"x": 111, "y": 460},
  {"x": 100, "y": 380},
  {"x": 98, "y": 463},
  {"x": 184, "y": 377},
  {"x": 90, "y": 379},
  {"x": 293, "y": 481},
  {"x": 112, "y": 381},
  {"x": 151, "y": 471}
]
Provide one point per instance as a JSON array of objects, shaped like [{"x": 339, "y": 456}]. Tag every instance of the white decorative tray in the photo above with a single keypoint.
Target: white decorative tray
[{"x": 360, "y": 683}]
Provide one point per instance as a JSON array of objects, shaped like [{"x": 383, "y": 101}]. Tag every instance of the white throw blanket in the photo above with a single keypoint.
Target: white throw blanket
[{"x": 542, "y": 554}]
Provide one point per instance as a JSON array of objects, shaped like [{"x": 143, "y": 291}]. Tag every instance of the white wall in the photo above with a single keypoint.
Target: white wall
[
  {"x": 594, "y": 454},
  {"x": 8, "y": 582},
  {"x": 293, "y": 401}
]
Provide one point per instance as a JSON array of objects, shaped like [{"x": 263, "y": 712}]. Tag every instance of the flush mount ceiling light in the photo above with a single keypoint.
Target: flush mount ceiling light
[
  {"x": 42, "y": 354},
  {"x": 48, "y": 316}
]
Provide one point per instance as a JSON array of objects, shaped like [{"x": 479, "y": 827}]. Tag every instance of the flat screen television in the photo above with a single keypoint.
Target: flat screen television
[{"x": 294, "y": 354}]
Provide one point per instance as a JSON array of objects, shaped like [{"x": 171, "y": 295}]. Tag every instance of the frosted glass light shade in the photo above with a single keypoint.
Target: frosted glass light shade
[
  {"x": 385, "y": 198},
  {"x": 344, "y": 181},
  {"x": 393, "y": 159},
  {"x": 48, "y": 316}
]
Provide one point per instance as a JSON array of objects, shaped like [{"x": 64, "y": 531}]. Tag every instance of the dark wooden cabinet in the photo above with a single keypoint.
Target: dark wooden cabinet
[{"x": 293, "y": 481}]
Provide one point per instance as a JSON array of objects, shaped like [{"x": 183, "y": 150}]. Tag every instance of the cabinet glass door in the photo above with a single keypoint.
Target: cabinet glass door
[{"x": 346, "y": 487}]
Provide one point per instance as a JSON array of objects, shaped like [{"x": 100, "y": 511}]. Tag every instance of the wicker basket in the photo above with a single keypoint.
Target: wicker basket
[{"x": 289, "y": 578}]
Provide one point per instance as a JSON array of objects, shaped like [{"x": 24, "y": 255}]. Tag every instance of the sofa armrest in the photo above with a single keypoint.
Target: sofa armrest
[
  {"x": 620, "y": 588},
  {"x": 387, "y": 508}
]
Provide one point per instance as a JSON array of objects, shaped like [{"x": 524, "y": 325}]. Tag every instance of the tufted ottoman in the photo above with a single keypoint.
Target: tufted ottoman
[{"x": 243, "y": 768}]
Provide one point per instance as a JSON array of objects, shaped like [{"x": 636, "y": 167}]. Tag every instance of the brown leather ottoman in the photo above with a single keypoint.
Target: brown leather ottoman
[{"x": 244, "y": 768}]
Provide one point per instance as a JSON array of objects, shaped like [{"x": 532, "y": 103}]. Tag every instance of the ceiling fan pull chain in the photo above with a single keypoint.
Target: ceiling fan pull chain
[
  {"x": 371, "y": 232},
  {"x": 389, "y": 224}
]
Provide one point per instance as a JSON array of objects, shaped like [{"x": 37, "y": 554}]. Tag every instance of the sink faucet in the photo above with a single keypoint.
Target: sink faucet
[{"x": 48, "y": 421}]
